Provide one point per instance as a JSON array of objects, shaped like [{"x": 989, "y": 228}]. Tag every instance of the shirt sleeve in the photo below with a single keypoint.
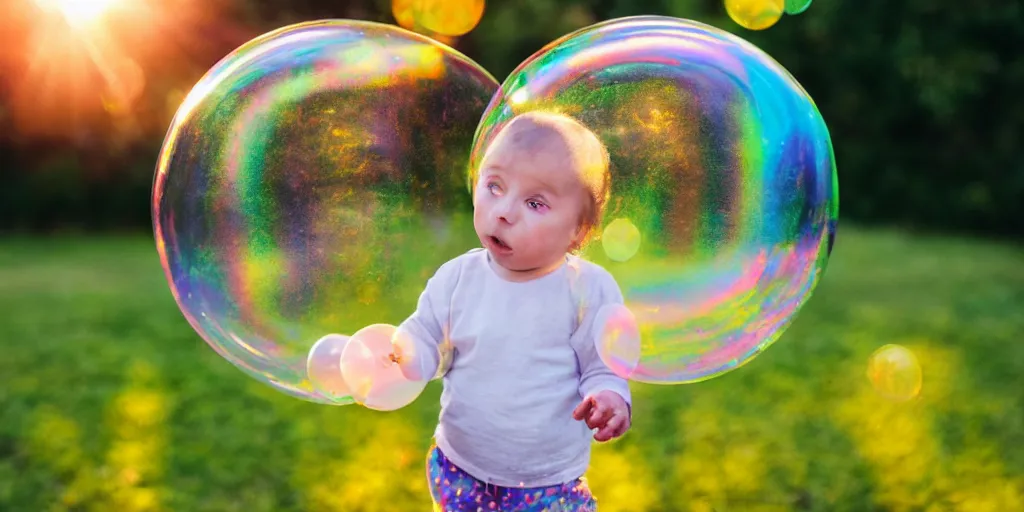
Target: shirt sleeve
[
  {"x": 595, "y": 375},
  {"x": 423, "y": 337}
]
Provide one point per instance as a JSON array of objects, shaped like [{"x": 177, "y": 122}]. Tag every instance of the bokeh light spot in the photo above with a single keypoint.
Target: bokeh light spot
[
  {"x": 621, "y": 240},
  {"x": 449, "y": 17},
  {"x": 755, "y": 14},
  {"x": 895, "y": 372},
  {"x": 794, "y": 7}
]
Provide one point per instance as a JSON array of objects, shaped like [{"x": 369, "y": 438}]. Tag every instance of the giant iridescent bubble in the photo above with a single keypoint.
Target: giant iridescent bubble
[
  {"x": 309, "y": 184},
  {"x": 721, "y": 162}
]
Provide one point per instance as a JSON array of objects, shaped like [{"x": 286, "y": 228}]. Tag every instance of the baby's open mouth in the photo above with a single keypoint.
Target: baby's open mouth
[{"x": 500, "y": 243}]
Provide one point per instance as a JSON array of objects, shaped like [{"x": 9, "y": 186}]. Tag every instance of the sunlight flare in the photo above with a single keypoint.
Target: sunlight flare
[{"x": 79, "y": 13}]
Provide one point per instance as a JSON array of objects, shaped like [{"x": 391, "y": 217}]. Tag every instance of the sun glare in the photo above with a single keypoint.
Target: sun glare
[
  {"x": 79, "y": 12},
  {"x": 75, "y": 68}
]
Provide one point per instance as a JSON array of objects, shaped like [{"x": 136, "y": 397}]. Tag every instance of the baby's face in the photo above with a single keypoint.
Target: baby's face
[{"x": 527, "y": 207}]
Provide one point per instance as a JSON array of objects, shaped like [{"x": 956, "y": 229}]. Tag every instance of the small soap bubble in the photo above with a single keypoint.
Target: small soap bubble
[
  {"x": 323, "y": 366},
  {"x": 371, "y": 373}
]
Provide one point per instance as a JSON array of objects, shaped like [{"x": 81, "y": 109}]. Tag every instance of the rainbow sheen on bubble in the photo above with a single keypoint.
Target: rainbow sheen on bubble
[
  {"x": 309, "y": 184},
  {"x": 617, "y": 337},
  {"x": 720, "y": 160}
]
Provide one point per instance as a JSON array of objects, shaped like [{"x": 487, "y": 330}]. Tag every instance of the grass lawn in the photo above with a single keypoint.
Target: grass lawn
[{"x": 109, "y": 401}]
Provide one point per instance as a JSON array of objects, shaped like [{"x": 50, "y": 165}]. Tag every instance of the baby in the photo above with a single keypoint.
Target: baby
[{"x": 524, "y": 388}]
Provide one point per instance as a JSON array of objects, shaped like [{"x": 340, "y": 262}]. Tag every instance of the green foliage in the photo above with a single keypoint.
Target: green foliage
[
  {"x": 922, "y": 101},
  {"x": 111, "y": 402}
]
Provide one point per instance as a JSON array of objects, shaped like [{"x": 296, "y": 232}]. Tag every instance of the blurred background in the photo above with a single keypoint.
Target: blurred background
[{"x": 109, "y": 401}]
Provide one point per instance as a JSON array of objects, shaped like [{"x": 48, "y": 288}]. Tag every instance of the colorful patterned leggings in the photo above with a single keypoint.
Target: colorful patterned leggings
[{"x": 454, "y": 490}]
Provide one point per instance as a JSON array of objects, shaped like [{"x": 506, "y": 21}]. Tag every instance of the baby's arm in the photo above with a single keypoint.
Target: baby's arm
[
  {"x": 420, "y": 342},
  {"x": 595, "y": 376}
]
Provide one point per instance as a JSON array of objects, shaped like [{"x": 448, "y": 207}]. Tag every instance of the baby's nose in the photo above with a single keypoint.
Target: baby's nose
[{"x": 506, "y": 213}]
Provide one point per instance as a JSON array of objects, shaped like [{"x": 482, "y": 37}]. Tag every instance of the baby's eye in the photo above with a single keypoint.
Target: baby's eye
[
  {"x": 494, "y": 188},
  {"x": 535, "y": 205}
]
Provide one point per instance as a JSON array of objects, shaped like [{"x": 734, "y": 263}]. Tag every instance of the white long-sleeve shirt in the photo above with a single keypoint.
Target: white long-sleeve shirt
[{"x": 522, "y": 357}]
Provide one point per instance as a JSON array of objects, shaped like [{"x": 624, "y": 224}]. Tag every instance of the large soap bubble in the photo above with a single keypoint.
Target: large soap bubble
[
  {"x": 719, "y": 159},
  {"x": 309, "y": 184}
]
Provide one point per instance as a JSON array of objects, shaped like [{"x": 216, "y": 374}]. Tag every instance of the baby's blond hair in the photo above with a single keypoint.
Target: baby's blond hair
[{"x": 586, "y": 151}]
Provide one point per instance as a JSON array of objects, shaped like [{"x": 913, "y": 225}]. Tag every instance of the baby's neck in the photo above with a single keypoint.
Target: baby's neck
[{"x": 525, "y": 275}]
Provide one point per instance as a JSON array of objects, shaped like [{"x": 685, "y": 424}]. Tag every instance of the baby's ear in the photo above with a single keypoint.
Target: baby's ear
[{"x": 579, "y": 237}]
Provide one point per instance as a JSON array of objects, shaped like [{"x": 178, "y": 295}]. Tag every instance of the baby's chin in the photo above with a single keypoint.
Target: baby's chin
[{"x": 516, "y": 264}]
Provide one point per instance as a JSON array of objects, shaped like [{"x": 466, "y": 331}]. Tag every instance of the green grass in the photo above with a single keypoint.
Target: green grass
[{"x": 109, "y": 401}]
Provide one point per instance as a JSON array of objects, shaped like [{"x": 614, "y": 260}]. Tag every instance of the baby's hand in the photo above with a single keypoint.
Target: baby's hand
[{"x": 605, "y": 411}]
